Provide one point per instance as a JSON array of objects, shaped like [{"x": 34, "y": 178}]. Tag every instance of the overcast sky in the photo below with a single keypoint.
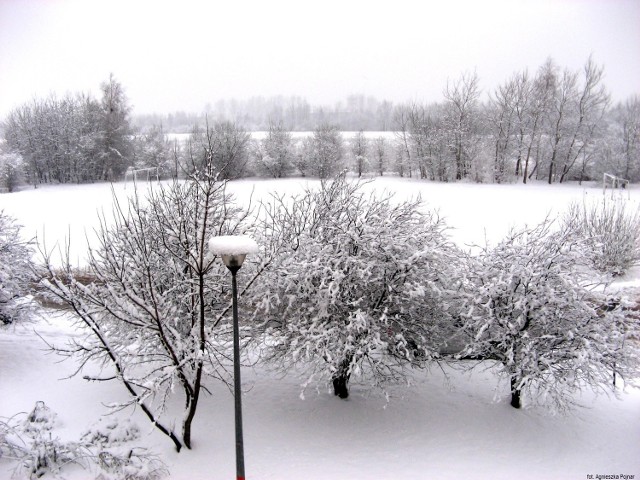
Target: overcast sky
[{"x": 183, "y": 54}]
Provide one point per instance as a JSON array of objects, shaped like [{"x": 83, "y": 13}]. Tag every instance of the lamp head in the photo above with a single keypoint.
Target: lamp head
[
  {"x": 233, "y": 262},
  {"x": 233, "y": 249}
]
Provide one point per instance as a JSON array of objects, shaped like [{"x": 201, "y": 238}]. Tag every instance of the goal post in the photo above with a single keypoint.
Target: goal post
[
  {"x": 613, "y": 182},
  {"x": 143, "y": 174}
]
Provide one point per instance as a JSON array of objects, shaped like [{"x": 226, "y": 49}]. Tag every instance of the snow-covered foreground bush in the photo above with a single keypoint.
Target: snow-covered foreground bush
[
  {"x": 610, "y": 230},
  {"x": 534, "y": 308},
  {"x": 31, "y": 442},
  {"x": 34, "y": 446},
  {"x": 16, "y": 271},
  {"x": 360, "y": 286}
]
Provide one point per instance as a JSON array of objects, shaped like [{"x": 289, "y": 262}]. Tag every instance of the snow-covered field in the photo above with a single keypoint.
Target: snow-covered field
[
  {"x": 444, "y": 426},
  {"x": 474, "y": 212}
]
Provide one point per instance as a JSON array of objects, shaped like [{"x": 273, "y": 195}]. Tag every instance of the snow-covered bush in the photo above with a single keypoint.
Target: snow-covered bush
[
  {"x": 109, "y": 441},
  {"x": 532, "y": 307},
  {"x": 33, "y": 445},
  {"x": 131, "y": 464},
  {"x": 155, "y": 308},
  {"x": 611, "y": 231},
  {"x": 359, "y": 285},
  {"x": 16, "y": 272},
  {"x": 111, "y": 431}
]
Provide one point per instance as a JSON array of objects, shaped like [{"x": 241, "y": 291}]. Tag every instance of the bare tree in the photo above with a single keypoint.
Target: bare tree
[
  {"x": 502, "y": 119},
  {"x": 380, "y": 146},
  {"x": 222, "y": 147},
  {"x": 619, "y": 146},
  {"x": 537, "y": 99},
  {"x": 276, "y": 152},
  {"x": 155, "y": 150},
  {"x": 427, "y": 141},
  {"x": 574, "y": 117},
  {"x": 359, "y": 150},
  {"x": 591, "y": 106},
  {"x": 421, "y": 130},
  {"x": 462, "y": 100},
  {"x": 326, "y": 150},
  {"x": 156, "y": 304},
  {"x": 402, "y": 127},
  {"x": 522, "y": 110},
  {"x": 228, "y": 148},
  {"x": 629, "y": 120}
]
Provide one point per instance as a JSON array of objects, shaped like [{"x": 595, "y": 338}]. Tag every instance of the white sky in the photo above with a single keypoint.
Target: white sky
[{"x": 182, "y": 54}]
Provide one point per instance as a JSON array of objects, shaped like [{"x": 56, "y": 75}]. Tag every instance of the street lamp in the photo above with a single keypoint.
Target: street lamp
[{"x": 233, "y": 249}]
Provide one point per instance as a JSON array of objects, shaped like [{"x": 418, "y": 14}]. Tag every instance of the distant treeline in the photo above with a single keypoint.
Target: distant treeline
[
  {"x": 357, "y": 112},
  {"x": 555, "y": 125}
]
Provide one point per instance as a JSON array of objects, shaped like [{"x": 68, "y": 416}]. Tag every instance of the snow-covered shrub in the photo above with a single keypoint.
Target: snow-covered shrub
[
  {"x": 358, "y": 287},
  {"x": 130, "y": 464},
  {"x": 154, "y": 312},
  {"x": 532, "y": 307},
  {"x": 35, "y": 448},
  {"x": 108, "y": 431},
  {"x": 37, "y": 451},
  {"x": 108, "y": 443},
  {"x": 16, "y": 272},
  {"x": 46, "y": 453},
  {"x": 611, "y": 231},
  {"x": 109, "y": 439},
  {"x": 12, "y": 446},
  {"x": 41, "y": 418}
]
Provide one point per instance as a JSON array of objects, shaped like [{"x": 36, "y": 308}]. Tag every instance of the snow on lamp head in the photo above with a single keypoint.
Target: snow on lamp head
[{"x": 233, "y": 249}]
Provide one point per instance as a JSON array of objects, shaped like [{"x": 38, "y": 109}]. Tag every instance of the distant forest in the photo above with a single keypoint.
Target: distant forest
[{"x": 357, "y": 112}]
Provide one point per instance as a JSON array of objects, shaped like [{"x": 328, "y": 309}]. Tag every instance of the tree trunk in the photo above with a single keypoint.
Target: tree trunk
[
  {"x": 551, "y": 165},
  {"x": 515, "y": 394},
  {"x": 341, "y": 379}
]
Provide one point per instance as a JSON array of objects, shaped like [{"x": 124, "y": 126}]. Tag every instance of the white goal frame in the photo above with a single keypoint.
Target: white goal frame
[
  {"x": 614, "y": 183},
  {"x": 139, "y": 173}
]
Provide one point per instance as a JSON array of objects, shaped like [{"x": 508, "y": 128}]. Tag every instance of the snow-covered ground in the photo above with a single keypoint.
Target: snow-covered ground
[
  {"x": 474, "y": 212},
  {"x": 444, "y": 426}
]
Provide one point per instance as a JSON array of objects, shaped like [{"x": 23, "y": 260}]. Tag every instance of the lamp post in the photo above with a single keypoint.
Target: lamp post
[{"x": 233, "y": 249}]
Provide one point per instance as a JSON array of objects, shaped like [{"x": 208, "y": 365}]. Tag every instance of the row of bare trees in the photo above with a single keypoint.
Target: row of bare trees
[
  {"x": 235, "y": 153},
  {"x": 554, "y": 125}
]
